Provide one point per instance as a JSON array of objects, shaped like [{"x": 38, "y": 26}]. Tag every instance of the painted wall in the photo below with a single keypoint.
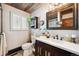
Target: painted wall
[
  {"x": 41, "y": 13},
  {"x": 14, "y": 38}
]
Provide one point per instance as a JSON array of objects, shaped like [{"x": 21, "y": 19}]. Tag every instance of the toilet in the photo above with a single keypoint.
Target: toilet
[{"x": 28, "y": 48}]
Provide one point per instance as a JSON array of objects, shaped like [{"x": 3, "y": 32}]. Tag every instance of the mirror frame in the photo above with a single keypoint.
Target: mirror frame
[{"x": 75, "y": 19}]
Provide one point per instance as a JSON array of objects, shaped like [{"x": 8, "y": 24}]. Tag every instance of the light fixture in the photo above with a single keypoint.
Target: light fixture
[{"x": 52, "y": 6}]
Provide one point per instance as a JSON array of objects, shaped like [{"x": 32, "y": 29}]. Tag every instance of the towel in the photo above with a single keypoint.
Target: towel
[{"x": 4, "y": 44}]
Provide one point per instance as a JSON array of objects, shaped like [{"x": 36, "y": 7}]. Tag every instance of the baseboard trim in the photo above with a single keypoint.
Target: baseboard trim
[{"x": 13, "y": 51}]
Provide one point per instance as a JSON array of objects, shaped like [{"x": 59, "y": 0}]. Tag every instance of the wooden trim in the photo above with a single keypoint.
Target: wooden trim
[{"x": 13, "y": 50}]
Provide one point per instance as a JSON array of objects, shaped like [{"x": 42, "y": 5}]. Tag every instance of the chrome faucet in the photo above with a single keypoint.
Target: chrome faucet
[{"x": 57, "y": 37}]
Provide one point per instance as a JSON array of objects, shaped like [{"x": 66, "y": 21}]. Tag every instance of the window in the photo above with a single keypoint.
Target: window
[{"x": 18, "y": 22}]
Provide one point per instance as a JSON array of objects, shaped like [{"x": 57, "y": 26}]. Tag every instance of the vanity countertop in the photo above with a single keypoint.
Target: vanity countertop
[{"x": 71, "y": 47}]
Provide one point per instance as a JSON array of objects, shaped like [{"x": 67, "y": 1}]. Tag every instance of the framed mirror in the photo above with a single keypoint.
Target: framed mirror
[
  {"x": 34, "y": 22},
  {"x": 64, "y": 17}
]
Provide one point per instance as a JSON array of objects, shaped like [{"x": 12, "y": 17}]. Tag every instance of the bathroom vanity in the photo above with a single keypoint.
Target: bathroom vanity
[{"x": 53, "y": 47}]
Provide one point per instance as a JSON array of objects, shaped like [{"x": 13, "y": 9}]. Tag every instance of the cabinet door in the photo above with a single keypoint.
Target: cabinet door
[
  {"x": 46, "y": 50},
  {"x": 42, "y": 49}
]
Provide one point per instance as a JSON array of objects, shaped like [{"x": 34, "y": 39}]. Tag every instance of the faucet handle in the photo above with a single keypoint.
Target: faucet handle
[
  {"x": 61, "y": 38},
  {"x": 57, "y": 37}
]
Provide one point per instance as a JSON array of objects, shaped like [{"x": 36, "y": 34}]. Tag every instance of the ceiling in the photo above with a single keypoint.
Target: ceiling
[{"x": 28, "y": 7}]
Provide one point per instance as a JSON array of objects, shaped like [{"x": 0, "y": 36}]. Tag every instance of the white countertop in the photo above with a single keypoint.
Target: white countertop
[{"x": 71, "y": 47}]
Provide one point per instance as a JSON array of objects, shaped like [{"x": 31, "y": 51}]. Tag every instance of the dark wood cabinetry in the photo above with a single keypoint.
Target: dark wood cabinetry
[
  {"x": 43, "y": 49},
  {"x": 64, "y": 17}
]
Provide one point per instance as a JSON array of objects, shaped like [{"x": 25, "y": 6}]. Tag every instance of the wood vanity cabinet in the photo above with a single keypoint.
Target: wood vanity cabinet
[
  {"x": 43, "y": 49},
  {"x": 64, "y": 17}
]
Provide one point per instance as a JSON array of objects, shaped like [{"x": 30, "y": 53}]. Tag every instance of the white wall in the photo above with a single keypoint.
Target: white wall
[
  {"x": 14, "y": 38},
  {"x": 41, "y": 13}
]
